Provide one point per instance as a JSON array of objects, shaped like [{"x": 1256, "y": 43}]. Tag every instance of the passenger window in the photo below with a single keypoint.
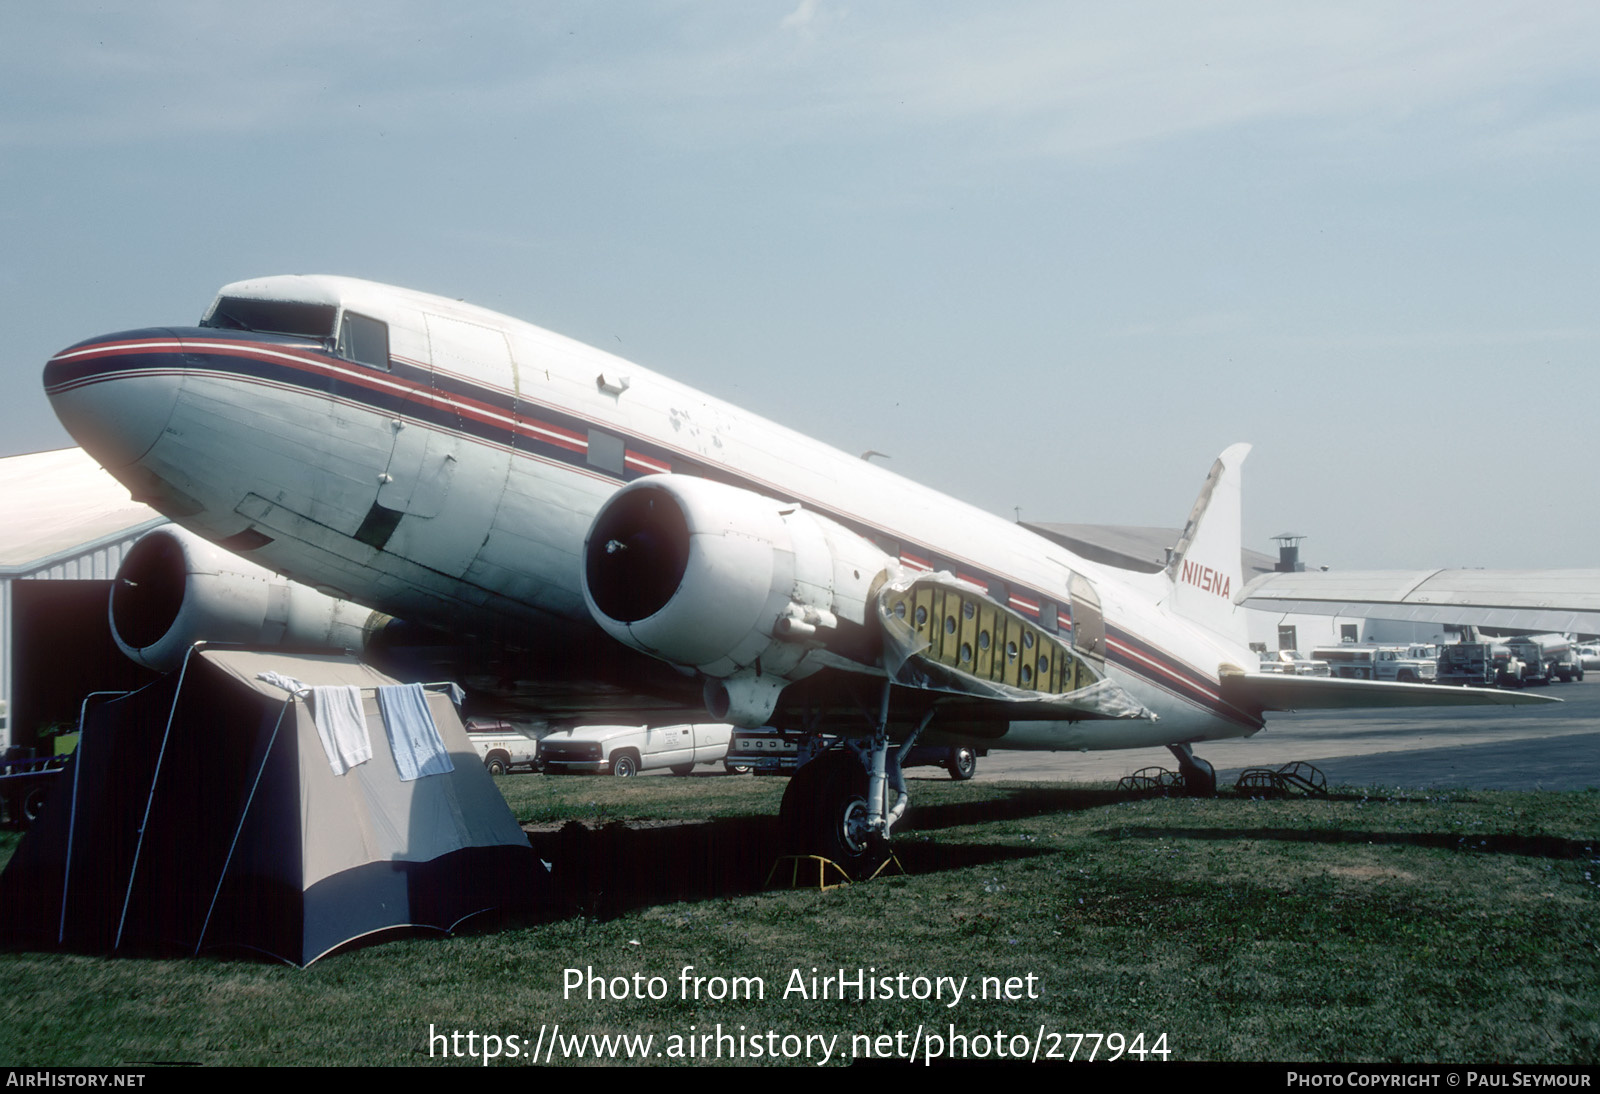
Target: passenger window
[{"x": 364, "y": 341}]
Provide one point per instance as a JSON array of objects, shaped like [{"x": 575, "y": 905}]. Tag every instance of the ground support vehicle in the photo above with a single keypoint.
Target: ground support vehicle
[
  {"x": 1377, "y": 663},
  {"x": 504, "y": 746},
  {"x": 773, "y": 752},
  {"x": 1542, "y": 659},
  {"x": 1293, "y": 663},
  {"x": 1475, "y": 664},
  {"x": 629, "y": 750}
]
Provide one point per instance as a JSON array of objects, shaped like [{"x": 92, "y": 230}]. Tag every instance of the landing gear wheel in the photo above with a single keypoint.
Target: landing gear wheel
[
  {"x": 794, "y": 815},
  {"x": 825, "y": 812},
  {"x": 963, "y": 764},
  {"x": 1199, "y": 780},
  {"x": 1199, "y": 777}
]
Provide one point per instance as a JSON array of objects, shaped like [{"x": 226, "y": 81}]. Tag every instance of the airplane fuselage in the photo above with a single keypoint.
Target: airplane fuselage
[{"x": 450, "y": 476}]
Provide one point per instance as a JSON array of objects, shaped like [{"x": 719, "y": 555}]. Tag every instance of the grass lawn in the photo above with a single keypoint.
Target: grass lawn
[{"x": 1377, "y": 925}]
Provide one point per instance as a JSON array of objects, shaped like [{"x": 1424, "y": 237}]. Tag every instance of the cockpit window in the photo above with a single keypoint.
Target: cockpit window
[
  {"x": 272, "y": 317},
  {"x": 364, "y": 341}
]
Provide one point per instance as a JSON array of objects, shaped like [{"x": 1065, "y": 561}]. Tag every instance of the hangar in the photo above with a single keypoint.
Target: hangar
[
  {"x": 1148, "y": 549},
  {"x": 67, "y": 526}
]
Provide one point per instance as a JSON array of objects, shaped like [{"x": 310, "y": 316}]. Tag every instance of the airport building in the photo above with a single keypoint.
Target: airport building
[
  {"x": 67, "y": 526},
  {"x": 1148, "y": 549}
]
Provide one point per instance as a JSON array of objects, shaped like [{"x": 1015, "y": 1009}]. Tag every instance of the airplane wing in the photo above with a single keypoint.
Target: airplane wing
[
  {"x": 1259, "y": 692},
  {"x": 1532, "y": 600}
]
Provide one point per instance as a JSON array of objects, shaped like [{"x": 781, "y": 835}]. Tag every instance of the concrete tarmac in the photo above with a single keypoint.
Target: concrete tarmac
[{"x": 1545, "y": 747}]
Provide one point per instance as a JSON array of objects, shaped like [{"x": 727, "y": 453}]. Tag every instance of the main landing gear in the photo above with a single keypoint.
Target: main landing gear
[
  {"x": 837, "y": 805},
  {"x": 825, "y": 813}
]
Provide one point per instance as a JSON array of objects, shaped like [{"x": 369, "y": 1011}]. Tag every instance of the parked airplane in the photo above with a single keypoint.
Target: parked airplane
[{"x": 647, "y": 553}]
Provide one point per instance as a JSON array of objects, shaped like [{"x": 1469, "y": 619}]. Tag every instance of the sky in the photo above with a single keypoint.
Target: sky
[{"x": 1051, "y": 257}]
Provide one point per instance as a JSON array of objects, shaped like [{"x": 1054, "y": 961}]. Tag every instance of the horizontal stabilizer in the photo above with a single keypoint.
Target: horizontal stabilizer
[{"x": 1257, "y": 692}]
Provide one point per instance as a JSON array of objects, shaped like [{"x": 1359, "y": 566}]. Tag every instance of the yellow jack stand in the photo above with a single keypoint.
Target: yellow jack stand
[{"x": 797, "y": 863}]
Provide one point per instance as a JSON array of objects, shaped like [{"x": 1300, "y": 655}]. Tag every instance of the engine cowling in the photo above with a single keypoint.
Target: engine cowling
[
  {"x": 743, "y": 588},
  {"x": 175, "y": 589}
]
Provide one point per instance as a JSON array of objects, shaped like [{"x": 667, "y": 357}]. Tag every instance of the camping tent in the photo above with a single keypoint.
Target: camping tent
[{"x": 203, "y": 811}]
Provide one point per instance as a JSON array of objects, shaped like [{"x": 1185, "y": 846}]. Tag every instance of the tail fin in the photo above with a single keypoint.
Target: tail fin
[{"x": 1205, "y": 569}]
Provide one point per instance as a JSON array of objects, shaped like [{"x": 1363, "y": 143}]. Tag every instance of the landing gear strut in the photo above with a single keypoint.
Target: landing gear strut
[
  {"x": 836, "y": 806},
  {"x": 825, "y": 813}
]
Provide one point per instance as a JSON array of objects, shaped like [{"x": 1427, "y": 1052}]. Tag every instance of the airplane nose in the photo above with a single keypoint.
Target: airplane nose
[{"x": 116, "y": 393}]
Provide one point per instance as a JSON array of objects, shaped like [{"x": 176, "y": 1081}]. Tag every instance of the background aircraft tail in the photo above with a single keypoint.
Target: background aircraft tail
[{"x": 1206, "y": 570}]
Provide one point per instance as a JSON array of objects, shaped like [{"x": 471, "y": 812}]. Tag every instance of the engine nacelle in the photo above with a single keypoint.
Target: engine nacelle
[
  {"x": 175, "y": 589},
  {"x": 740, "y": 587}
]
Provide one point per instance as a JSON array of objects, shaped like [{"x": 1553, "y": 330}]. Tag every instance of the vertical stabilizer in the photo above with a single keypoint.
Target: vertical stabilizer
[{"x": 1206, "y": 568}]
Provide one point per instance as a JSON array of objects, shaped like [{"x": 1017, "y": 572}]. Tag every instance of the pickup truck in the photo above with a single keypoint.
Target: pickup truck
[
  {"x": 1292, "y": 663},
  {"x": 1377, "y": 663},
  {"x": 628, "y": 750},
  {"x": 503, "y": 745}
]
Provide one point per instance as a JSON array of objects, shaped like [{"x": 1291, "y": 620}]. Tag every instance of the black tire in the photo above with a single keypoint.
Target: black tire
[
  {"x": 625, "y": 765},
  {"x": 737, "y": 769},
  {"x": 683, "y": 769},
  {"x": 1199, "y": 778},
  {"x": 963, "y": 764},
  {"x": 794, "y": 815},
  {"x": 497, "y": 764},
  {"x": 824, "y": 811}
]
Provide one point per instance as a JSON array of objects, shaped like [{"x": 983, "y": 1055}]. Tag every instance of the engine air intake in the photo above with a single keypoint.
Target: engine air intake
[{"x": 638, "y": 551}]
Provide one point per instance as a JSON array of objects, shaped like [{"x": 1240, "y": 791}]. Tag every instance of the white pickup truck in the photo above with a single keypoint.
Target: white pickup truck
[
  {"x": 504, "y": 746},
  {"x": 1292, "y": 663},
  {"x": 628, "y": 750},
  {"x": 1377, "y": 663}
]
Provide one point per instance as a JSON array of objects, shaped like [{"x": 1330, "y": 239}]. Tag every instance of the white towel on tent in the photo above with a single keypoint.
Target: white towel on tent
[
  {"x": 287, "y": 683},
  {"x": 342, "y": 726},
  {"x": 413, "y": 737}
]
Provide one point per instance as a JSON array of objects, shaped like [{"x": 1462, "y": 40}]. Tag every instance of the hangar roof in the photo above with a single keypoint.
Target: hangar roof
[
  {"x": 59, "y": 503},
  {"x": 1133, "y": 547}
]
